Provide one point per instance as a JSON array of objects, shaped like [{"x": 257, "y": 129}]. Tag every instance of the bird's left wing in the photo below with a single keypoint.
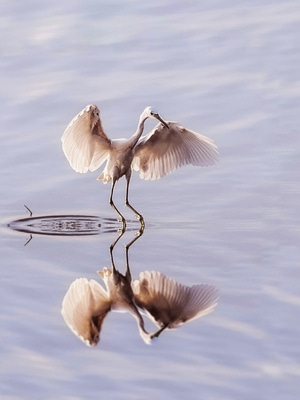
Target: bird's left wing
[
  {"x": 84, "y": 142},
  {"x": 165, "y": 149},
  {"x": 170, "y": 303},
  {"x": 201, "y": 300},
  {"x": 84, "y": 308}
]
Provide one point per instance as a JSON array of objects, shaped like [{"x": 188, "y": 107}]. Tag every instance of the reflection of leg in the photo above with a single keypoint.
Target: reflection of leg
[
  {"x": 137, "y": 235},
  {"x": 128, "y": 272},
  {"x": 121, "y": 233},
  {"x": 116, "y": 274},
  {"x": 157, "y": 333},
  {"x": 138, "y": 215},
  {"x": 122, "y": 219}
]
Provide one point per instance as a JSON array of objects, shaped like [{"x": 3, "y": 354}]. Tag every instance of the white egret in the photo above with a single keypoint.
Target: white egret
[
  {"x": 165, "y": 301},
  {"x": 167, "y": 147}
]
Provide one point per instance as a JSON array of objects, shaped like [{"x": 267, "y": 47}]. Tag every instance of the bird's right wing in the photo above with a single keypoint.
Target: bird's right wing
[
  {"x": 171, "y": 303},
  {"x": 84, "y": 142},
  {"x": 165, "y": 149},
  {"x": 84, "y": 308},
  {"x": 153, "y": 294}
]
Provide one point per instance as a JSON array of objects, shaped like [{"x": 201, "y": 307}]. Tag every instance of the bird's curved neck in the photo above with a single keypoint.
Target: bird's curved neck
[
  {"x": 140, "y": 322},
  {"x": 139, "y": 130}
]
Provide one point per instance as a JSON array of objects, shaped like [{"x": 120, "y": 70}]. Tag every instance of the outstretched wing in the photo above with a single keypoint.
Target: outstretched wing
[
  {"x": 84, "y": 308},
  {"x": 84, "y": 142},
  {"x": 165, "y": 149},
  {"x": 170, "y": 303}
]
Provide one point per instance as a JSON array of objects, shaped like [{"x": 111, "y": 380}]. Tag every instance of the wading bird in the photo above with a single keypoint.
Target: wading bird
[
  {"x": 167, "y": 147},
  {"x": 168, "y": 303}
]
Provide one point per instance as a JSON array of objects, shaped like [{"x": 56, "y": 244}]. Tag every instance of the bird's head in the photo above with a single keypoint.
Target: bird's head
[{"x": 151, "y": 112}]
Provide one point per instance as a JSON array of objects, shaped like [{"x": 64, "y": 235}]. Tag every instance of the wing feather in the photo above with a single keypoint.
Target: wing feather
[
  {"x": 84, "y": 142},
  {"x": 84, "y": 308},
  {"x": 165, "y": 149},
  {"x": 170, "y": 303}
]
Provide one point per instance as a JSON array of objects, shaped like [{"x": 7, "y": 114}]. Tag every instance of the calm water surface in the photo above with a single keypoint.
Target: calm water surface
[{"x": 226, "y": 70}]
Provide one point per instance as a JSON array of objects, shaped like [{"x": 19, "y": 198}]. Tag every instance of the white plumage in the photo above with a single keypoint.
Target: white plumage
[
  {"x": 166, "y": 302},
  {"x": 169, "y": 303},
  {"x": 167, "y": 147}
]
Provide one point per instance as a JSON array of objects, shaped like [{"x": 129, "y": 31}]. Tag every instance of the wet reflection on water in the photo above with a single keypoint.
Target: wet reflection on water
[{"x": 166, "y": 302}]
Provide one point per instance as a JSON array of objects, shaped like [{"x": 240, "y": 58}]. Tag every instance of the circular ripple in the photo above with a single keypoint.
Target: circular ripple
[{"x": 64, "y": 225}]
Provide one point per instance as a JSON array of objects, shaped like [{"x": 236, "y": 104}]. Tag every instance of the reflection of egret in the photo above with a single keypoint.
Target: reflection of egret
[
  {"x": 168, "y": 303},
  {"x": 167, "y": 147},
  {"x": 86, "y": 303}
]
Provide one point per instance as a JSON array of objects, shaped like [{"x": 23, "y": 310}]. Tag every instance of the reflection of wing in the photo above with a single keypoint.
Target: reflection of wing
[
  {"x": 171, "y": 303},
  {"x": 84, "y": 308},
  {"x": 165, "y": 149},
  {"x": 84, "y": 142}
]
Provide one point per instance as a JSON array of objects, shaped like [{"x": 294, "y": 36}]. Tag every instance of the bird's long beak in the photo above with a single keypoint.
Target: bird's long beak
[
  {"x": 156, "y": 334},
  {"x": 161, "y": 120}
]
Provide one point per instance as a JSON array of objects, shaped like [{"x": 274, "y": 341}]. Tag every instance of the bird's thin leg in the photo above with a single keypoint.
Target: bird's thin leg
[
  {"x": 122, "y": 219},
  {"x": 128, "y": 272},
  {"x": 111, "y": 248},
  {"x": 137, "y": 235},
  {"x": 157, "y": 333},
  {"x": 112, "y": 258},
  {"x": 114, "y": 270},
  {"x": 121, "y": 233},
  {"x": 128, "y": 245},
  {"x": 138, "y": 215}
]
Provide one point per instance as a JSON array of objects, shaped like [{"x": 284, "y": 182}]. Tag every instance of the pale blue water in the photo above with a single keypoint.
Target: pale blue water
[{"x": 227, "y": 70}]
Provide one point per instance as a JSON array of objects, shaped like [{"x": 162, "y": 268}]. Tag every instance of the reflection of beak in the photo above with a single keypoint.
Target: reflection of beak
[{"x": 161, "y": 120}]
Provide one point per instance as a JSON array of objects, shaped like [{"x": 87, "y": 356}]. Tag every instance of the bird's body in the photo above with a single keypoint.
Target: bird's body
[
  {"x": 119, "y": 161},
  {"x": 87, "y": 303},
  {"x": 167, "y": 147},
  {"x": 168, "y": 303}
]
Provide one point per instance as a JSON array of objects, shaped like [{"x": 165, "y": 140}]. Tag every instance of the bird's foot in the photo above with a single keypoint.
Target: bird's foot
[
  {"x": 138, "y": 234},
  {"x": 140, "y": 218},
  {"x": 122, "y": 219},
  {"x": 122, "y": 230},
  {"x": 140, "y": 231}
]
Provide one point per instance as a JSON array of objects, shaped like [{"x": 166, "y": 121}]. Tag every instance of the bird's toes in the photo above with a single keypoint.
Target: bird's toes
[
  {"x": 122, "y": 230},
  {"x": 122, "y": 219},
  {"x": 139, "y": 218}
]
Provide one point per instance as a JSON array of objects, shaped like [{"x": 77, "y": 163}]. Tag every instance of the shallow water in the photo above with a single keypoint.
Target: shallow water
[{"x": 228, "y": 71}]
